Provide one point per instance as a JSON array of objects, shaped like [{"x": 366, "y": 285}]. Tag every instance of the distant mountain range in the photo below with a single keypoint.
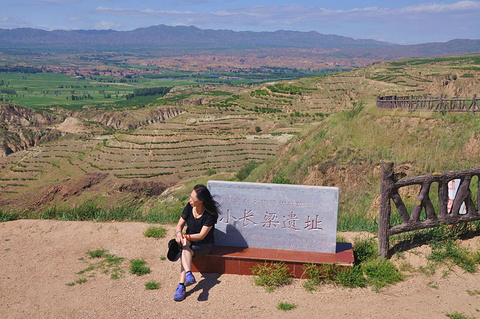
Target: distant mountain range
[{"x": 191, "y": 38}]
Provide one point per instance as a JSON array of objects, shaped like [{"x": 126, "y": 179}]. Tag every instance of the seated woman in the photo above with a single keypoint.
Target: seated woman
[{"x": 200, "y": 216}]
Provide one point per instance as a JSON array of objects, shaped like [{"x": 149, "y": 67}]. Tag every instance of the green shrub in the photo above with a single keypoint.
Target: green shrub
[
  {"x": 451, "y": 252},
  {"x": 281, "y": 179},
  {"x": 458, "y": 315},
  {"x": 246, "y": 170},
  {"x": 364, "y": 250},
  {"x": 107, "y": 263},
  {"x": 8, "y": 216},
  {"x": 155, "y": 232},
  {"x": 165, "y": 213},
  {"x": 138, "y": 267},
  {"x": 350, "y": 277},
  {"x": 96, "y": 253},
  {"x": 152, "y": 285},
  {"x": 271, "y": 275},
  {"x": 381, "y": 272},
  {"x": 285, "y": 306}
]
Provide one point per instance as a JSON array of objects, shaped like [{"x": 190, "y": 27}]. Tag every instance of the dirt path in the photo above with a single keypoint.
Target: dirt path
[{"x": 39, "y": 258}]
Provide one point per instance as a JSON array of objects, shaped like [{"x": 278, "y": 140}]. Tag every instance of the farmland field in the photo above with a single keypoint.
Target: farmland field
[{"x": 201, "y": 128}]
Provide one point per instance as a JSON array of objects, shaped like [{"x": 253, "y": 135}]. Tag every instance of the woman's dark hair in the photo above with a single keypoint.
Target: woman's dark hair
[{"x": 209, "y": 203}]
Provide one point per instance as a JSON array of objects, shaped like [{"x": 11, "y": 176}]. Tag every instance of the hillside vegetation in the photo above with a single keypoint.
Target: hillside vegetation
[{"x": 322, "y": 130}]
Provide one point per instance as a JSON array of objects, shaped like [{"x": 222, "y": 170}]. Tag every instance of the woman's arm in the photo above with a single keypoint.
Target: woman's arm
[
  {"x": 199, "y": 236},
  {"x": 178, "y": 230}
]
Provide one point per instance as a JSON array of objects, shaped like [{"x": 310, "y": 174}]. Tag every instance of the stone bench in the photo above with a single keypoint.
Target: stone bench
[
  {"x": 240, "y": 261},
  {"x": 260, "y": 223}
]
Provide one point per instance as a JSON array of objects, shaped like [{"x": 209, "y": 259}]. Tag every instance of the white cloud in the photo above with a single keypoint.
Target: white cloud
[{"x": 107, "y": 25}]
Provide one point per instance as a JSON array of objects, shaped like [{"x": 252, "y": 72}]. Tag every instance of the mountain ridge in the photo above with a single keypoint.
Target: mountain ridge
[
  {"x": 192, "y": 39},
  {"x": 167, "y": 35}
]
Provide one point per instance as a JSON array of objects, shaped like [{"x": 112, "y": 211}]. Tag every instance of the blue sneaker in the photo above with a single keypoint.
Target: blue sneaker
[
  {"x": 179, "y": 293},
  {"x": 189, "y": 279}
]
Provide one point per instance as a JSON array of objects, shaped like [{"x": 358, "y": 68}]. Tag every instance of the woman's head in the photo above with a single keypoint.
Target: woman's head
[{"x": 201, "y": 193}]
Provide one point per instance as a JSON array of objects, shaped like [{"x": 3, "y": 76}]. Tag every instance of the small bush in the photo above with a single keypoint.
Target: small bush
[
  {"x": 96, "y": 253},
  {"x": 166, "y": 213},
  {"x": 381, "y": 272},
  {"x": 281, "y": 179},
  {"x": 210, "y": 172},
  {"x": 246, "y": 170},
  {"x": 343, "y": 276},
  {"x": 138, "y": 267},
  {"x": 271, "y": 275},
  {"x": 285, "y": 306},
  {"x": 8, "y": 216},
  {"x": 452, "y": 253},
  {"x": 152, "y": 285},
  {"x": 351, "y": 277},
  {"x": 364, "y": 250},
  {"x": 155, "y": 232},
  {"x": 108, "y": 263},
  {"x": 458, "y": 315}
]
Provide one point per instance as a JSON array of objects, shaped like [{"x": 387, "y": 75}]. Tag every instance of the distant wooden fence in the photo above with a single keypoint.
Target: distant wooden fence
[
  {"x": 426, "y": 103},
  {"x": 411, "y": 220}
]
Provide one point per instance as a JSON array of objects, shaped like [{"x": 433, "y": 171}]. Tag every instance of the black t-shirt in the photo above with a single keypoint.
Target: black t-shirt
[{"x": 194, "y": 226}]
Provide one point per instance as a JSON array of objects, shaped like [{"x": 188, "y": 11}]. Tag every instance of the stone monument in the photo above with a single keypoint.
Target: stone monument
[{"x": 276, "y": 216}]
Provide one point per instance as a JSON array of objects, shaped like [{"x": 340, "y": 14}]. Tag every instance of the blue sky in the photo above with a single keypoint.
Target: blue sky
[{"x": 399, "y": 21}]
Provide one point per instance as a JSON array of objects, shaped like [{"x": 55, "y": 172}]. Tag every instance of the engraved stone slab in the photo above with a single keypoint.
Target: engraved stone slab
[{"x": 276, "y": 216}]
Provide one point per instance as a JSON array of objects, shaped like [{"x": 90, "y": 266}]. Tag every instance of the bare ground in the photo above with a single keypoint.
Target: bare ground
[{"x": 39, "y": 258}]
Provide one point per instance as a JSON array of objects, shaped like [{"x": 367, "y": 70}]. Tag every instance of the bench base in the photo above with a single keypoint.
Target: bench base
[{"x": 240, "y": 260}]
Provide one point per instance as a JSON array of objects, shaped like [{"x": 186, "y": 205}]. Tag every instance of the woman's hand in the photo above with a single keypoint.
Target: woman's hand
[{"x": 179, "y": 238}]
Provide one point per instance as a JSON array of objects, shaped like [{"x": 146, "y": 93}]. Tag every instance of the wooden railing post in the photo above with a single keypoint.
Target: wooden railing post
[
  {"x": 386, "y": 188},
  {"x": 474, "y": 103}
]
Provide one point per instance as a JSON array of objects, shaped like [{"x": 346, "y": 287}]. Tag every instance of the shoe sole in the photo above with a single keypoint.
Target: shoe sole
[{"x": 189, "y": 283}]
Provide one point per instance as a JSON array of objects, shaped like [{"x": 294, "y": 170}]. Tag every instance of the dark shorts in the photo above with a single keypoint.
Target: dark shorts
[{"x": 200, "y": 250}]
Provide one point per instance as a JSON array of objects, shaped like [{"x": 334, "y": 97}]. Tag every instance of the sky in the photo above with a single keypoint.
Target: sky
[{"x": 398, "y": 21}]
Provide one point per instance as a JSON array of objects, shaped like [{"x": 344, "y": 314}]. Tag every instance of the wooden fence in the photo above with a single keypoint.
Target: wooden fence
[
  {"x": 426, "y": 103},
  {"x": 412, "y": 220}
]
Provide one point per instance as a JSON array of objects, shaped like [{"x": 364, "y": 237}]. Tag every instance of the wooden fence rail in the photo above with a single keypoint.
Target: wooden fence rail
[
  {"x": 425, "y": 103},
  {"x": 412, "y": 220}
]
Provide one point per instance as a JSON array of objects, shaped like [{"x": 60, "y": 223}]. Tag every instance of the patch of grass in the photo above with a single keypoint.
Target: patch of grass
[
  {"x": 165, "y": 213},
  {"x": 369, "y": 270},
  {"x": 92, "y": 211},
  {"x": 318, "y": 275},
  {"x": 152, "y": 285},
  {"x": 364, "y": 250},
  {"x": 381, "y": 272},
  {"x": 246, "y": 170},
  {"x": 8, "y": 216},
  {"x": 285, "y": 306},
  {"x": 96, "y": 253},
  {"x": 450, "y": 253},
  {"x": 351, "y": 277},
  {"x": 108, "y": 264},
  {"x": 458, "y": 315},
  {"x": 271, "y": 275},
  {"x": 138, "y": 267},
  {"x": 81, "y": 281},
  {"x": 473, "y": 292},
  {"x": 155, "y": 232},
  {"x": 432, "y": 284},
  {"x": 314, "y": 277}
]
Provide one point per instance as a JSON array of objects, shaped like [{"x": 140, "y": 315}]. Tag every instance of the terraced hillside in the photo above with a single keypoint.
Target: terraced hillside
[{"x": 217, "y": 132}]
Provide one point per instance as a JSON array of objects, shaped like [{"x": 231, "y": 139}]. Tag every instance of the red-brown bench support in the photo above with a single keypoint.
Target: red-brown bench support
[{"x": 240, "y": 261}]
